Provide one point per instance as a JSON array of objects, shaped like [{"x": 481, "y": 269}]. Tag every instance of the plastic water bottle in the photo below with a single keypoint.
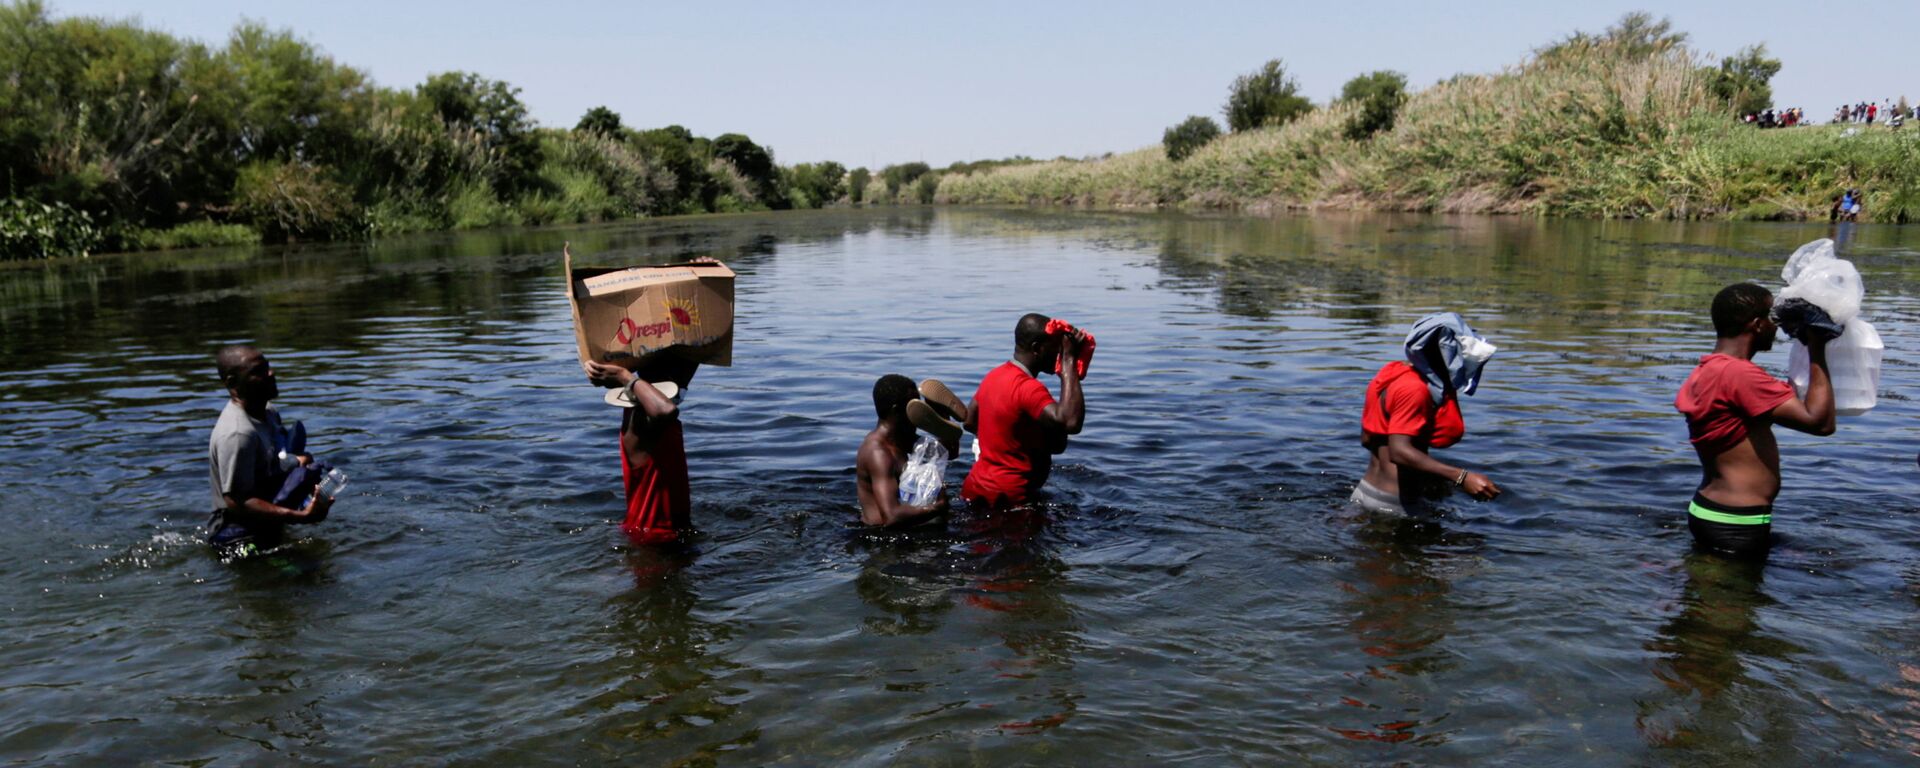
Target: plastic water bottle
[{"x": 333, "y": 483}]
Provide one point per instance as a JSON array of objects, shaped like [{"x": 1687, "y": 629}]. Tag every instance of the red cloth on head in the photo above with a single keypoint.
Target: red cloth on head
[
  {"x": 1723, "y": 396},
  {"x": 1015, "y": 455},
  {"x": 1399, "y": 403},
  {"x": 658, "y": 507},
  {"x": 1082, "y": 357}
]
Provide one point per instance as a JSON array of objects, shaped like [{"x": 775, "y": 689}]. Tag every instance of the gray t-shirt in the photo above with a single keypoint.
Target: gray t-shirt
[{"x": 242, "y": 455}]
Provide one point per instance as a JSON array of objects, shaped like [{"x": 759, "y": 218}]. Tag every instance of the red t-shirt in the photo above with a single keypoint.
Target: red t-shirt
[
  {"x": 657, "y": 491},
  {"x": 1014, "y": 456},
  {"x": 1723, "y": 396},
  {"x": 1398, "y": 403}
]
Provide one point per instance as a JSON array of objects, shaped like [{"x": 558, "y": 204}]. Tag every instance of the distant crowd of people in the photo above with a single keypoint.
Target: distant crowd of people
[
  {"x": 1888, "y": 112},
  {"x": 1776, "y": 118},
  {"x": 1867, "y": 112}
]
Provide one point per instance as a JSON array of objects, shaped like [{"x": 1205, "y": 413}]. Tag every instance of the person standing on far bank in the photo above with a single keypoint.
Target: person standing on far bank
[
  {"x": 245, "y": 456},
  {"x": 1731, "y": 406}
]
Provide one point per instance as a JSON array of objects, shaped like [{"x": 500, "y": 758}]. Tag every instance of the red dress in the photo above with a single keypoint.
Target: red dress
[{"x": 657, "y": 491}]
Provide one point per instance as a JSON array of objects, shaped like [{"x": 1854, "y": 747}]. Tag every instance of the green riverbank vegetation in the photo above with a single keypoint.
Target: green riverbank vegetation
[
  {"x": 1629, "y": 122},
  {"x": 118, "y": 137}
]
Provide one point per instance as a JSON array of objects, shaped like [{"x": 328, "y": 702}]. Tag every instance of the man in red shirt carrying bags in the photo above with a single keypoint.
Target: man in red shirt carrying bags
[
  {"x": 1731, "y": 406},
  {"x": 1017, "y": 424}
]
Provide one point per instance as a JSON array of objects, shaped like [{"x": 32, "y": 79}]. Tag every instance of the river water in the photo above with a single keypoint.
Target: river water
[{"x": 1194, "y": 590}]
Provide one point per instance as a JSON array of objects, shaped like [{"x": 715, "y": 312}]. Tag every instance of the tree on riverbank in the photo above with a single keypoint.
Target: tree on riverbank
[
  {"x": 1190, "y": 135},
  {"x": 1743, "y": 80},
  {"x": 1265, "y": 98},
  {"x": 114, "y": 136},
  {"x": 1377, "y": 98}
]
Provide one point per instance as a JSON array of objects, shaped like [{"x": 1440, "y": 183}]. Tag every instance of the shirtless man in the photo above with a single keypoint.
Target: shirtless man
[
  {"x": 653, "y": 451},
  {"x": 883, "y": 455},
  {"x": 1018, "y": 425},
  {"x": 1731, "y": 406}
]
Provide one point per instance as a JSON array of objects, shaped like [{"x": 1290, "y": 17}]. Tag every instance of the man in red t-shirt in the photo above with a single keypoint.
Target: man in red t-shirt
[
  {"x": 1016, "y": 423},
  {"x": 1731, "y": 406},
  {"x": 653, "y": 453}
]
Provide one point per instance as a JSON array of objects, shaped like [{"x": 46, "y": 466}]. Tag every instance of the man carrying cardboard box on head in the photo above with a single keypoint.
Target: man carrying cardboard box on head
[{"x": 643, "y": 332}]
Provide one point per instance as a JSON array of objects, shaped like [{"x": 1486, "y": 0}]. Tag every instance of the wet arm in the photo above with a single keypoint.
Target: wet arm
[
  {"x": 644, "y": 424},
  {"x": 234, "y": 461},
  {"x": 1405, "y": 454},
  {"x": 886, "y": 494},
  {"x": 1070, "y": 413},
  {"x": 245, "y": 511},
  {"x": 1814, "y": 415}
]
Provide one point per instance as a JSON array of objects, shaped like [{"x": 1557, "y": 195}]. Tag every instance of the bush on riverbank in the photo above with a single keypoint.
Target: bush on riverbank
[
  {"x": 1624, "y": 124},
  {"x": 1191, "y": 134},
  {"x": 162, "y": 141},
  {"x": 193, "y": 234},
  {"x": 32, "y": 230}
]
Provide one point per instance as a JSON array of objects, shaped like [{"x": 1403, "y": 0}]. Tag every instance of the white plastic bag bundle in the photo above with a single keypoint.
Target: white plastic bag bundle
[
  {"x": 1813, "y": 273},
  {"x": 1853, "y": 364},
  {"x": 926, "y": 472},
  {"x": 1818, "y": 250}
]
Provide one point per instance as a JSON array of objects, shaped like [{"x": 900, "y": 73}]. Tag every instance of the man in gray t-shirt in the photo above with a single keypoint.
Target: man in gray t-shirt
[{"x": 244, "y": 458}]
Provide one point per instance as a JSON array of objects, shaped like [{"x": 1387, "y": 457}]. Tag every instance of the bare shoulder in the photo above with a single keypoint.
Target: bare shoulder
[
  {"x": 876, "y": 454},
  {"x": 873, "y": 452}
]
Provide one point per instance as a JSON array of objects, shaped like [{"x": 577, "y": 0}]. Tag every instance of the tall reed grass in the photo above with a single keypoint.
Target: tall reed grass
[{"x": 1594, "y": 130}]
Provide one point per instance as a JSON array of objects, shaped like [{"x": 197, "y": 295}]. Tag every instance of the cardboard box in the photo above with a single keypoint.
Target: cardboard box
[{"x": 625, "y": 315}]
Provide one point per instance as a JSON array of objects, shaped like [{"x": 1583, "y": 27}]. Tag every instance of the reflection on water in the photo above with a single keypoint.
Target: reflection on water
[
  {"x": 1400, "y": 618},
  {"x": 1195, "y": 590},
  {"x": 1711, "y": 656}
]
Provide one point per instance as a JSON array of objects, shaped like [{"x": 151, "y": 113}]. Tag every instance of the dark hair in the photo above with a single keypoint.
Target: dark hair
[
  {"x": 891, "y": 393},
  {"x": 1031, "y": 331},
  {"x": 1737, "y": 305},
  {"x": 231, "y": 361}
]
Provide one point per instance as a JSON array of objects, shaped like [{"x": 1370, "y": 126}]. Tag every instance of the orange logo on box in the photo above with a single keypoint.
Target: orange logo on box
[
  {"x": 630, "y": 331},
  {"x": 684, "y": 313}
]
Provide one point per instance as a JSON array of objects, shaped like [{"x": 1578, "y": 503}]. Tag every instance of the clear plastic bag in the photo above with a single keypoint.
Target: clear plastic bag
[
  {"x": 1831, "y": 283},
  {"x": 1853, "y": 364},
  {"x": 1805, "y": 256},
  {"x": 925, "y": 475}
]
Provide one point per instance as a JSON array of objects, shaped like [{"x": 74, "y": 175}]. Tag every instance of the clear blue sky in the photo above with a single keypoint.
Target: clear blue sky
[{"x": 871, "y": 83}]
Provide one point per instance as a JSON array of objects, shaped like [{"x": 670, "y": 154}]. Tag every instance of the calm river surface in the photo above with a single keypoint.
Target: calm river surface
[{"x": 1195, "y": 590}]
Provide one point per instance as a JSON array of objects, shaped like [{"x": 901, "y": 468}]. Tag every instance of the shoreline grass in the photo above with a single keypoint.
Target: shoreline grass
[{"x": 1595, "y": 132}]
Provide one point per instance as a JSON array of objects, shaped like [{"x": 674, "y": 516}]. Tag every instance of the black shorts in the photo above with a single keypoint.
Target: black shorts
[{"x": 1740, "y": 532}]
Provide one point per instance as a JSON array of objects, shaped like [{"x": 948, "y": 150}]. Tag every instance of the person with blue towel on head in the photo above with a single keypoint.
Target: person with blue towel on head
[{"x": 1412, "y": 407}]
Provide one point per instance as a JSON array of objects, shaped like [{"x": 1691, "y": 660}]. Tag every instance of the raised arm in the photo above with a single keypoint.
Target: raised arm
[
  {"x": 1814, "y": 415},
  {"x": 651, "y": 410},
  {"x": 1069, "y": 413}
]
